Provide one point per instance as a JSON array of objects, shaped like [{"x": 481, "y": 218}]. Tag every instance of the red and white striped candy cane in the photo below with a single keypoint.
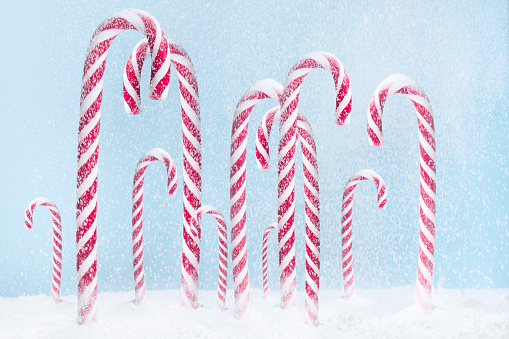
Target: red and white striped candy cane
[
  {"x": 155, "y": 154},
  {"x": 286, "y": 161},
  {"x": 399, "y": 83},
  {"x": 265, "y": 248},
  {"x": 88, "y": 135},
  {"x": 191, "y": 130},
  {"x": 190, "y": 289},
  {"x": 57, "y": 241},
  {"x": 261, "y": 90},
  {"x": 312, "y": 198},
  {"x": 346, "y": 222}
]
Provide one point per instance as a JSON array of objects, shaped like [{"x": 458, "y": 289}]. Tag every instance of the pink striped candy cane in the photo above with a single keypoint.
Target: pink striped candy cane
[
  {"x": 399, "y": 83},
  {"x": 57, "y": 241},
  {"x": 286, "y": 161},
  {"x": 191, "y": 131},
  {"x": 190, "y": 290},
  {"x": 346, "y": 222},
  {"x": 312, "y": 198},
  {"x": 265, "y": 248},
  {"x": 155, "y": 154},
  {"x": 88, "y": 135},
  {"x": 261, "y": 90}
]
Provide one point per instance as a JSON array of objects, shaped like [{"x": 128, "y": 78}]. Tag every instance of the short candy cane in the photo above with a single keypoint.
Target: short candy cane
[
  {"x": 57, "y": 241},
  {"x": 346, "y": 222},
  {"x": 190, "y": 289},
  {"x": 155, "y": 154},
  {"x": 399, "y": 83},
  {"x": 265, "y": 248},
  {"x": 312, "y": 199}
]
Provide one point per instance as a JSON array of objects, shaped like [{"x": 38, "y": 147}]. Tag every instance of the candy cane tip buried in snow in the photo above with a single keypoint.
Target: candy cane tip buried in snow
[
  {"x": 155, "y": 154},
  {"x": 88, "y": 136},
  {"x": 189, "y": 287},
  {"x": 399, "y": 83},
  {"x": 346, "y": 222},
  {"x": 57, "y": 241}
]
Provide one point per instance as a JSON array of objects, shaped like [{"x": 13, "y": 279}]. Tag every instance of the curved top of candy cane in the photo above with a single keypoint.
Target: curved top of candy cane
[
  {"x": 41, "y": 201},
  {"x": 204, "y": 209},
  {"x": 331, "y": 63},
  {"x": 161, "y": 155},
  {"x": 366, "y": 174},
  {"x": 263, "y": 134},
  {"x": 110, "y": 28},
  {"x": 133, "y": 68},
  {"x": 397, "y": 83},
  {"x": 263, "y": 89}
]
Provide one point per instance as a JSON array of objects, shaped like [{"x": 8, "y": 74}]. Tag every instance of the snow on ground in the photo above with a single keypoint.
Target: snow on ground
[{"x": 387, "y": 313}]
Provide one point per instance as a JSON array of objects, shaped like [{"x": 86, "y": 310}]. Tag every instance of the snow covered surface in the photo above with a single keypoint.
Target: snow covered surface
[{"x": 381, "y": 313}]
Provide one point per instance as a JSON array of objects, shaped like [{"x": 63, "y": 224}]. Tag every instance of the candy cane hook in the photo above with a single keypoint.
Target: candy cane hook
[
  {"x": 189, "y": 290},
  {"x": 155, "y": 154},
  {"x": 399, "y": 83},
  {"x": 88, "y": 138},
  {"x": 286, "y": 162},
  {"x": 57, "y": 241},
  {"x": 261, "y": 90},
  {"x": 191, "y": 129},
  {"x": 346, "y": 222},
  {"x": 312, "y": 199}
]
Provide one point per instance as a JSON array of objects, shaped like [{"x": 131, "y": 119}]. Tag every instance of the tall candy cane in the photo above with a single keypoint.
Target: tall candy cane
[
  {"x": 312, "y": 198},
  {"x": 286, "y": 161},
  {"x": 346, "y": 222},
  {"x": 57, "y": 241},
  {"x": 265, "y": 249},
  {"x": 190, "y": 290},
  {"x": 399, "y": 83},
  {"x": 88, "y": 135},
  {"x": 155, "y": 154},
  {"x": 191, "y": 131},
  {"x": 261, "y": 90}
]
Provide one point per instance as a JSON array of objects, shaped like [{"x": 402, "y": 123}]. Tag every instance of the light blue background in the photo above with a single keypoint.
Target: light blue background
[{"x": 457, "y": 51}]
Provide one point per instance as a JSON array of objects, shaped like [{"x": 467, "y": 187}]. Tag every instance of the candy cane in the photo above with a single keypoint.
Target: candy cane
[
  {"x": 190, "y": 289},
  {"x": 286, "y": 161},
  {"x": 312, "y": 198},
  {"x": 399, "y": 83},
  {"x": 57, "y": 241},
  {"x": 155, "y": 154},
  {"x": 191, "y": 130},
  {"x": 346, "y": 222},
  {"x": 261, "y": 90},
  {"x": 88, "y": 135},
  {"x": 265, "y": 248}
]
